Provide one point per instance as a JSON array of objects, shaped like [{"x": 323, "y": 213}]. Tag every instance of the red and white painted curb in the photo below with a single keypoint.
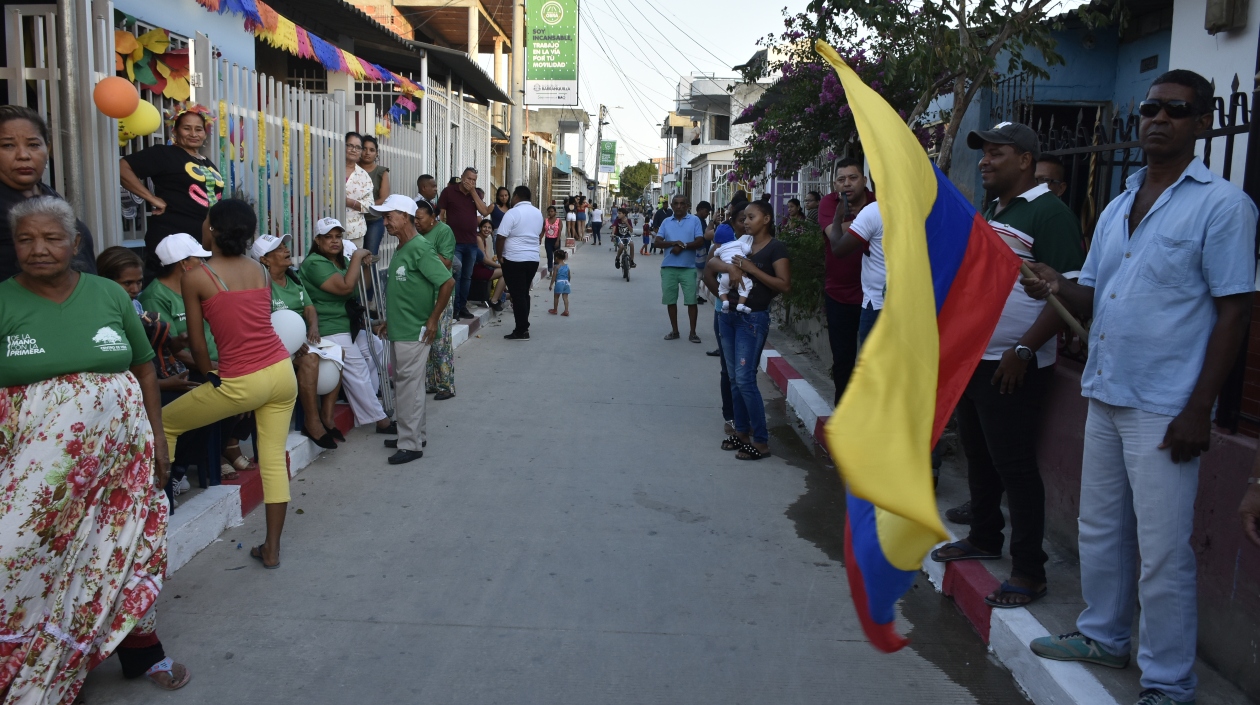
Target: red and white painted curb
[
  {"x": 200, "y": 519},
  {"x": 1007, "y": 632}
]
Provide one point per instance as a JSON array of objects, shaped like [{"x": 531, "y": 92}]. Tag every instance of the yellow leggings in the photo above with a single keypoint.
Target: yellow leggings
[{"x": 269, "y": 393}]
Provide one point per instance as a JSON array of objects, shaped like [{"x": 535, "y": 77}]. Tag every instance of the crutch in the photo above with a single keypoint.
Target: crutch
[{"x": 381, "y": 359}]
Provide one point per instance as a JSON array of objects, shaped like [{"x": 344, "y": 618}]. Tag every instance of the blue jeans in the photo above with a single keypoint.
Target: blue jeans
[
  {"x": 869, "y": 315},
  {"x": 375, "y": 232},
  {"x": 468, "y": 255},
  {"x": 1137, "y": 512},
  {"x": 743, "y": 337}
]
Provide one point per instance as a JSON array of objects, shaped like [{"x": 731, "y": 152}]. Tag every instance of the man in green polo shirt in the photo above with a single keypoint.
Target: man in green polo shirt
[
  {"x": 440, "y": 377},
  {"x": 999, "y": 413},
  {"x": 419, "y": 288}
]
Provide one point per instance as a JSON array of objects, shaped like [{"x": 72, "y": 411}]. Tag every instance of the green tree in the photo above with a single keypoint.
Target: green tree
[{"x": 635, "y": 178}]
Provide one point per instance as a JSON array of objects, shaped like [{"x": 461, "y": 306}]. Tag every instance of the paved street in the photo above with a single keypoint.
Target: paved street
[{"x": 572, "y": 535}]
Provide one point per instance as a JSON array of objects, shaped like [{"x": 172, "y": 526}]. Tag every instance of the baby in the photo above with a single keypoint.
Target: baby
[{"x": 727, "y": 248}]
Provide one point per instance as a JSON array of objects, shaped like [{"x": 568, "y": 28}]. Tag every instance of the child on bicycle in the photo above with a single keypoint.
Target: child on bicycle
[{"x": 560, "y": 283}]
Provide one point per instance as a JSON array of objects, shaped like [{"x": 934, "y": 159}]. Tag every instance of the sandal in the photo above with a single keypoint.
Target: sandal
[
  {"x": 672, "y": 336},
  {"x": 748, "y": 451},
  {"x": 256, "y": 554},
  {"x": 227, "y": 472},
  {"x": 969, "y": 553},
  {"x": 732, "y": 442},
  {"x": 169, "y": 667},
  {"x": 1006, "y": 587}
]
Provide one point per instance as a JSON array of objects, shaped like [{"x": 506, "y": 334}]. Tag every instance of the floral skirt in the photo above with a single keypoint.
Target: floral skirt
[
  {"x": 82, "y": 530},
  {"x": 440, "y": 374}
]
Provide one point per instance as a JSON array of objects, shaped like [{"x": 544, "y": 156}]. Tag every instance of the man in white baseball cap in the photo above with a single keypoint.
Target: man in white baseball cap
[
  {"x": 177, "y": 248},
  {"x": 265, "y": 244},
  {"x": 419, "y": 289}
]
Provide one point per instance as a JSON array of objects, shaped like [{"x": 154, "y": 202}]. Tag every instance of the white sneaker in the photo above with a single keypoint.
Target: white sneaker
[{"x": 182, "y": 486}]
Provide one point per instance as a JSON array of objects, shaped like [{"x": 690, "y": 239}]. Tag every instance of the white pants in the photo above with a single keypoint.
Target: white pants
[
  {"x": 356, "y": 379},
  {"x": 724, "y": 285},
  {"x": 364, "y": 342}
]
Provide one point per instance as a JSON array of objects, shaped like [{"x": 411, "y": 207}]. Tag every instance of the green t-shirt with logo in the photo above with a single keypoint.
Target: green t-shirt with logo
[
  {"x": 415, "y": 274},
  {"x": 162, "y": 300},
  {"x": 95, "y": 330},
  {"x": 291, "y": 296},
  {"x": 443, "y": 239},
  {"x": 331, "y": 308}
]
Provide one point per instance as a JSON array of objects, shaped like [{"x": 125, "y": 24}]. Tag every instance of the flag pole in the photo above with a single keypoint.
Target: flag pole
[{"x": 1058, "y": 306}]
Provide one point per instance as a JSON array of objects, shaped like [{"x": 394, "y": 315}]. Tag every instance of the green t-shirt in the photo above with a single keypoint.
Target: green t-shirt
[
  {"x": 443, "y": 239},
  {"x": 95, "y": 330},
  {"x": 331, "y": 308},
  {"x": 163, "y": 300},
  {"x": 291, "y": 296},
  {"x": 414, "y": 277}
]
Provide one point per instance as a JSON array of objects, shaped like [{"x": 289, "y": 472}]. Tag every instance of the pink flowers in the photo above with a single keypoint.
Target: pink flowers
[{"x": 80, "y": 477}]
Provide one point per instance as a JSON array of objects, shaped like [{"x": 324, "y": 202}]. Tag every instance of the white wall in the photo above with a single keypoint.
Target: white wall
[
  {"x": 1217, "y": 57},
  {"x": 185, "y": 17}
]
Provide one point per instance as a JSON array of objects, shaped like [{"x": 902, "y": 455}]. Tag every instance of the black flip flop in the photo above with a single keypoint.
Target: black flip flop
[
  {"x": 970, "y": 553},
  {"x": 1032, "y": 595},
  {"x": 732, "y": 442},
  {"x": 751, "y": 453},
  {"x": 256, "y": 554}
]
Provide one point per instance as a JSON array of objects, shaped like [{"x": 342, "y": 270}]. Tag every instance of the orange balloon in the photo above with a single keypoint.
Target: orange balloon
[{"x": 116, "y": 97}]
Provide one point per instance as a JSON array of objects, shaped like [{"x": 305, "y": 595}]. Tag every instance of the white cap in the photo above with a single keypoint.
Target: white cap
[
  {"x": 397, "y": 202},
  {"x": 179, "y": 247},
  {"x": 325, "y": 225},
  {"x": 265, "y": 244}
]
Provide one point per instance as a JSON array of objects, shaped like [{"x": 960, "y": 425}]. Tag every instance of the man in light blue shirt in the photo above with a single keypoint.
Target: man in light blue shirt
[
  {"x": 1169, "y": 283},
  {"x": 679, "y": 236}
]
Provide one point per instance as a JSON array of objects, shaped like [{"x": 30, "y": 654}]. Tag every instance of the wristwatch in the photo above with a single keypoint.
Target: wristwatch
[{"x": 1023, "y": 352}]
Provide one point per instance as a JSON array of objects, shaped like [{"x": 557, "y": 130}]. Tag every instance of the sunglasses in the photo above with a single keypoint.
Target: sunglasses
[
  {"x": 1048, "y": 181},
  {"x": 1175, "y": 109}
]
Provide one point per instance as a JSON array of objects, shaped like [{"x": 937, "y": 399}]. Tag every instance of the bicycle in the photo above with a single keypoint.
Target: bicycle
[{"x": 624, "y": 262}]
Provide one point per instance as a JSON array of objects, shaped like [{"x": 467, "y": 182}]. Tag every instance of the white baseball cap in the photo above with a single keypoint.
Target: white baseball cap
[
  {"x": 397, "y": 202},
  {"x": 179, "y": 247},
  {"x": 325, "y": 225},
  {"x": 265, "y": 244}
]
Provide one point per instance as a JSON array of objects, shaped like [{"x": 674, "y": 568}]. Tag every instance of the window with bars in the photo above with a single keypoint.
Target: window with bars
[{"x": 308, "y": 78}]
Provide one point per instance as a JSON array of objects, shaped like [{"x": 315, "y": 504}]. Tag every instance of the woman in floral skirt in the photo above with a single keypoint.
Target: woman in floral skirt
[{"x": 82, "y": 511}]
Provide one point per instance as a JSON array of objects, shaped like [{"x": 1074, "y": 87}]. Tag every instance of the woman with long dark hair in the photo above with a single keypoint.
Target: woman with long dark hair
[{"x": 380, "y": 191}]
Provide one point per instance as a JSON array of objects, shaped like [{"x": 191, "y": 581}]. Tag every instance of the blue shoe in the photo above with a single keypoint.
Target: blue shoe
[
  {"x": 1153, "y": 696},
  {"x": 1076, "y": 647}
]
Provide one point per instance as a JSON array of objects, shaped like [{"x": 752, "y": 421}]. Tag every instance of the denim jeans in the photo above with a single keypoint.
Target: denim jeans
[
  {"x": 469, "y": 255},
  {"x": 743, "y": 337},
  {"x": 728, "y": 409},
  {"x": 870, "y": 314},
  {"x": 843, "y": 321},
  {"x": 375, "y": 232},
  {"x": 1137, "y": 512}
]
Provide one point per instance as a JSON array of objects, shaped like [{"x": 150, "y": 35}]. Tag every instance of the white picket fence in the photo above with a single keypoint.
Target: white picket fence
[{"x": 278, "y": 147}]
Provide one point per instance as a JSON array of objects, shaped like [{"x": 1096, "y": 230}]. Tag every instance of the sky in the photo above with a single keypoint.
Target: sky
[{"x": 632, "y": 54}]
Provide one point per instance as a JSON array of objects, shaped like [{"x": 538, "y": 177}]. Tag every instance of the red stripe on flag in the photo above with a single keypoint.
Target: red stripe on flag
[
  {"x": 970, "y": 314},
  {"x": 882, "y": 636}
]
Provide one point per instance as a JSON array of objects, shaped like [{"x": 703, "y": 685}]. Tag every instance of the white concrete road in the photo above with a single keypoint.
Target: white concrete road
[{"x": 572, "y": 535}]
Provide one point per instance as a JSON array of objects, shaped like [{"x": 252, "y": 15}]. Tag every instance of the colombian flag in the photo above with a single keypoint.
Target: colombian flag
[{"x": 949, "y": 276}]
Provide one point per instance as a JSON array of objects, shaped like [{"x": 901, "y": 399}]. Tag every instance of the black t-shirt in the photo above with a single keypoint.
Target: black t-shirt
[
  {"x": 660, "y": 217},
  {"x": 84, "y": 260},
  {"x": 761, "y": 295},
  {"x": 188, "y": 184}
]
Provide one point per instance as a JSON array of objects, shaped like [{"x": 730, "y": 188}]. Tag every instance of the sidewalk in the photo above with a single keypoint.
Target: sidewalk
[
  {"x": 204, "y": 515},
  {"x": 805, "y": 380}
]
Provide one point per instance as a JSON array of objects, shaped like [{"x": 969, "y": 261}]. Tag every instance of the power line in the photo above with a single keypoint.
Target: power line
[
  {"x": 620, "y": 71},
  {"x": 632, "y": 53},
  {"x": 664, "y": 39},
  {"x": 722, "y": 61}
]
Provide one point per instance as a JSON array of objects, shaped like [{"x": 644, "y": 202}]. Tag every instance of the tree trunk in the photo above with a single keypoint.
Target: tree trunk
[{"x": 945, "y": 153}]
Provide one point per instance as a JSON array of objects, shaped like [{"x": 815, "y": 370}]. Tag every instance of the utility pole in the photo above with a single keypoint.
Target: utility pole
[
  {"x": 599, "y": 144},
  {"x": 516, "y": 133}
]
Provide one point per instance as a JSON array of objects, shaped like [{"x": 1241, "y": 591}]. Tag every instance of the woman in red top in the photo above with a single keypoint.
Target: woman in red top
[
  {"x": 551, "y": 236},
  {"x": 233, "y": 293}
]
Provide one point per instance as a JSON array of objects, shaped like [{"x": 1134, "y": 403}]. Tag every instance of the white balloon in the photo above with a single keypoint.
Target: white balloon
[
  {"x": 290, "y": 327},
  {"x": 329, "y": 375}
]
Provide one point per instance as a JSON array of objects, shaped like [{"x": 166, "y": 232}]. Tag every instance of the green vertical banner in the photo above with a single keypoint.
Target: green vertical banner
[
  {"x": 607, "y": 157},
  {"x": 614, "y": 183},
  {"x": 551, "y": 76}
]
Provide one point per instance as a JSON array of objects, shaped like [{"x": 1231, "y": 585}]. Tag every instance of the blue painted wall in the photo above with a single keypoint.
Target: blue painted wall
[
  {"x": 1131, "y": 82},
  {"x": 1088, "y": 71},
  {"x": 186, "y": 17}
]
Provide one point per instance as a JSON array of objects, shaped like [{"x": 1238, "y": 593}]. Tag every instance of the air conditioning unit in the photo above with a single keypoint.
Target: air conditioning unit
[{"x": 1225, "y": 15}]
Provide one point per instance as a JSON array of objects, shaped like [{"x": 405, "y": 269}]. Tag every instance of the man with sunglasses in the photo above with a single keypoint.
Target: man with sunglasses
[
  {"x": 1168, "y": 282},
  {"x": 1052, "y": 174}
]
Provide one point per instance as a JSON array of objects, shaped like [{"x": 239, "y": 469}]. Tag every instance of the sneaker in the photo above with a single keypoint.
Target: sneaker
[
  {"x": 1152, "y": 696},
  {"x": 1076, "y": 647},
  {"x": 617, "y": 264},
  {"x": 181, "y": 487},
  {"x": 960, "y": 514},
  {"x": 516, "y": 336},
  {"x": 465, "y": 314}
]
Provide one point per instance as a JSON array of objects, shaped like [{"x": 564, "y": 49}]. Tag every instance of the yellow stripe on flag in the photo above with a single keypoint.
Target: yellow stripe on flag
[{"x": 880, "y": 435}]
